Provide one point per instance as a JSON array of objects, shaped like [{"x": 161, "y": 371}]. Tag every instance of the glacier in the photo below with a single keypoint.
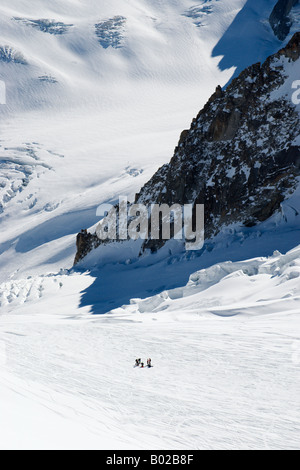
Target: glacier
[{"x": 93, "y": 108}]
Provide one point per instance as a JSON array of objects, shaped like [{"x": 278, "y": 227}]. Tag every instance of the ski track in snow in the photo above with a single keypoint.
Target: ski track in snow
[{"x": 231, "y": 386}]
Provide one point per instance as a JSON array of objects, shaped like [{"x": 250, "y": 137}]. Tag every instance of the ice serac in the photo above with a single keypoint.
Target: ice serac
[
  {"x": 240, "y": 157},
  {"x": 280, "y": 20}
]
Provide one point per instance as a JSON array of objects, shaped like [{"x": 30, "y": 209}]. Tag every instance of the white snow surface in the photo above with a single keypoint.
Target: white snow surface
[
  {"x": 92, "y": 112},
  {"x": 225, "y": 350}
]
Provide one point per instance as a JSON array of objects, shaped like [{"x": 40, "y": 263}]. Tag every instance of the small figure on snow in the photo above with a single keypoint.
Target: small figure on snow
[
  {"x": 149, "y": 363},
  {"x": 137, "y": 362}
]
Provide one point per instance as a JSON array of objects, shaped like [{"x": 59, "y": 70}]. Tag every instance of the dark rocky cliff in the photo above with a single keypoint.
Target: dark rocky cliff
[
  {"x": 239, "y": 157},
  {"x": 280, "y": 20}
]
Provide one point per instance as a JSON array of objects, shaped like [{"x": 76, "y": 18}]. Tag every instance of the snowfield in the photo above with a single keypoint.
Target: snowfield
[
  {"x": 97, "y": 96},
  {"x": 225, "y": 350}
]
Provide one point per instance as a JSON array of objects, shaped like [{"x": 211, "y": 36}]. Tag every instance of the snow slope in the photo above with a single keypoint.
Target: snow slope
[
  {"x": 225, "y": 350},
  {"x": 97, "y": 95}
]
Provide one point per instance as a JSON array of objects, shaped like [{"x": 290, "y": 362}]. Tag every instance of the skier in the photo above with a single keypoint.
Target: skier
[
  {"x": 149, "y": 363},
  {"x": 137, "y": 362}
]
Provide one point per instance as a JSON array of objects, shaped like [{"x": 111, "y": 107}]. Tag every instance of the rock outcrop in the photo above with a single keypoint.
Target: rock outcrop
[
  {"x": 280, "y": 20},
  {"x": 84, "y": 244},
  {"x": 239, "y": 158}
]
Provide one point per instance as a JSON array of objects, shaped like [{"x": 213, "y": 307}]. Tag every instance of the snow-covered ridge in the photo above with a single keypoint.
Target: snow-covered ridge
[
  {"x": 254, "y": 287},
  {"x": 14, "y": 294}
]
